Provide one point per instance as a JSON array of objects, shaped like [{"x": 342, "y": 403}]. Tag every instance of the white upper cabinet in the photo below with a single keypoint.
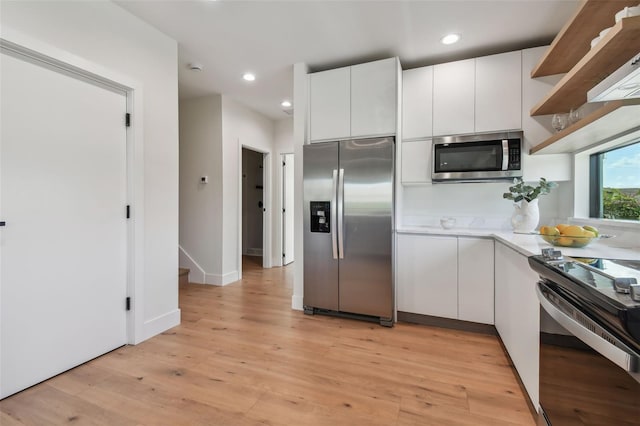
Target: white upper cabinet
[
  {"x": 453, "y": 97},
  {"x": 374, "y": 98},
  {"x": 416, "y": 161},
  {"x": 477, "y": 95},
  {"x": 498, "y": 99},
  {"x": 417, "y": 103},
  {"x": 351, "y": 102},
  {"x": 330, "y": 104}
]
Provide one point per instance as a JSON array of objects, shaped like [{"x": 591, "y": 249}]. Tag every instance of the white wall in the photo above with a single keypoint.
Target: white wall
[
  {"x": 107, "y": 35},
  {"x": 300, "y": 101},
  {"x": 201, "y": 204},
  {"x": 242, "y": 126}
]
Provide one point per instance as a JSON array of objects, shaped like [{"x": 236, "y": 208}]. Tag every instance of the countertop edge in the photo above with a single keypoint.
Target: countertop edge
[{"x": 527, "y": 245}]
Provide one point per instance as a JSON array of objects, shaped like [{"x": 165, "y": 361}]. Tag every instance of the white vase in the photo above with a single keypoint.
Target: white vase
[{"x": 526, "y": 216}]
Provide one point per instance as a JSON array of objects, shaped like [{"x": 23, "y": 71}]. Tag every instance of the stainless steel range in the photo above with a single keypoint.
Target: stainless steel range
[{"x": 589, "y": 340}]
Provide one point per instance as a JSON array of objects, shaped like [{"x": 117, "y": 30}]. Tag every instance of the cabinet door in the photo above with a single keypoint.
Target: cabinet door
[
  {"x": 517, "y": 315},
  {"x": 499, "y": 92},
  {"x": 475, "y": 280},
  {"x": 374, "y": 98},
  {"x": 427, "y": 275},
  {"x": 329, "y": 104},
  {"x": 416, "y": 161},
  {"x": 453, "y": 97},
  {"x": 417, "y": 103}
]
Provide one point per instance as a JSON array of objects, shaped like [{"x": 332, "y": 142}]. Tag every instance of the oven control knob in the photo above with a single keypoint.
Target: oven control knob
[
  {"x": 635, "y": 292},
  {"x": 621, "y": 285},
  {"x": 551, "y": 254}
]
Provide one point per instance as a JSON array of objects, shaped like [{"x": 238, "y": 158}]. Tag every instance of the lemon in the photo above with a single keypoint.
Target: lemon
[
  {"x": 573, "y": 231},
  {"x": 591, "y": 229},
  {"x": 549, "y": 230},
  {"x": 564, "y": 242}
]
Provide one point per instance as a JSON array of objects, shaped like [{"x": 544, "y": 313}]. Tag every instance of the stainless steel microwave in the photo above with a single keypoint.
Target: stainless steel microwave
[{"x": 480, "y": 157}]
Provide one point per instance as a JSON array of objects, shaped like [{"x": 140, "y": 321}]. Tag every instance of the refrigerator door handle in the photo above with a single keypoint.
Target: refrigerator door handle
[
  {"x": 334, "y": 231},
  {"x": 341, "y": 214}
]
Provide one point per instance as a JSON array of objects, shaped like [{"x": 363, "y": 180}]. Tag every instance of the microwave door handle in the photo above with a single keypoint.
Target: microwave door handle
[{"x": 505, "y": 154}]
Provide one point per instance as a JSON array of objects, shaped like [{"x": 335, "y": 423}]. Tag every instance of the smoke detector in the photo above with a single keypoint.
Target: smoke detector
[{"x": 195, "y": 66}]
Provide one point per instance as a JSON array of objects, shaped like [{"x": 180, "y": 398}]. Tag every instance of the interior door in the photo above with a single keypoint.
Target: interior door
[
  {"x": 287, "y": 214},
  {"x": 63, "y": 195}
]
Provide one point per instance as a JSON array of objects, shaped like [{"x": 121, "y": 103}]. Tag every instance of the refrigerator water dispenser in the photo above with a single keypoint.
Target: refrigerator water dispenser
[{"x": 320, "y": 214}]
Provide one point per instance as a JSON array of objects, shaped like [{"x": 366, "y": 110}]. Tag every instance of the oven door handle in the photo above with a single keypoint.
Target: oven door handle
[{"x": 617, "y": 352}]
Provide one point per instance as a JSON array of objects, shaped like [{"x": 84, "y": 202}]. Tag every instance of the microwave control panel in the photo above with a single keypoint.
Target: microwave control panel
[{"x": 514, "y": 154}]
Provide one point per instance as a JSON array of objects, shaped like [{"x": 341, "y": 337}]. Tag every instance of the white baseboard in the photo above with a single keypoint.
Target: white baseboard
[
  {"x": 297, "y": 303},
  {"x": 224, "y": 279},
  {"x": 160, "y": 324},
  {"x": 196, "y": 273}
]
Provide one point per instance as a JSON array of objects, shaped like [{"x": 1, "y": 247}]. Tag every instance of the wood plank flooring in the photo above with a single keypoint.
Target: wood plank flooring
[{"x": 242, "y": 357}]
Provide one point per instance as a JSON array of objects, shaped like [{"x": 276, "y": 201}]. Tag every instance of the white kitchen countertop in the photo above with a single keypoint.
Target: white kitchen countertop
[{"x": 532, "y": 244}]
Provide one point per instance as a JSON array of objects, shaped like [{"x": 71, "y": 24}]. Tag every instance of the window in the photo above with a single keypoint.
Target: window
[{"x": 615, "y": 183}]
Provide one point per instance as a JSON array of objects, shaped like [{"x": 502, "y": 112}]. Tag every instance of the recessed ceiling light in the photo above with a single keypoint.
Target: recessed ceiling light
[
  {"x": 450, "y": 38},
  {"x": 195, "y": 66},
  {"x": 248, "y": 76},
  {"x": 286, "y": 104}
]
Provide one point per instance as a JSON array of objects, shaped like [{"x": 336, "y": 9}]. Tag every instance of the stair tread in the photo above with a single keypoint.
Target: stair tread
[{"x": 183, "y": 271}]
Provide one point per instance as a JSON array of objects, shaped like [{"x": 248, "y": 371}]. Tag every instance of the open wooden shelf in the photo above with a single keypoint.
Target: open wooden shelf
[
  {"x": 574, "y": 40},
  {"x": 597, "y": 127},
  {"x": 615, "y": 49}
]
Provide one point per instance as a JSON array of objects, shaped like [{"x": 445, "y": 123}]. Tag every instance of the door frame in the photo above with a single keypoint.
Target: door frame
[
  {"x": 266, "y": 200},
  {"x": 27, "y": 48},
  {"x": 283, "y": 230}
]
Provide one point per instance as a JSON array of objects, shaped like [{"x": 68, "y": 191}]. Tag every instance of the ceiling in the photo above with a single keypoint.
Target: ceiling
[{"x": 231, "y": 37}]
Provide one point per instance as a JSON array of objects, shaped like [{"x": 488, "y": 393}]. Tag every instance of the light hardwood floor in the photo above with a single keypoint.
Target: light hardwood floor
[{"x": 242, "y": 357}]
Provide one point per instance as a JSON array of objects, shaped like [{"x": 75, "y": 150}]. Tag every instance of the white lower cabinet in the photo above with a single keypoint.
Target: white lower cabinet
[
  {"x": 475, "y": 279},
  {"x": 427, "y": 275},
  {"x": 517, "y": 314},
  {"x": 448, "y": 277}
]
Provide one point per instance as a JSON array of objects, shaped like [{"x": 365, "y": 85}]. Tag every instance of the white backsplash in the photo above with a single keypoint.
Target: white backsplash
[{"x": 476, "y": 205}]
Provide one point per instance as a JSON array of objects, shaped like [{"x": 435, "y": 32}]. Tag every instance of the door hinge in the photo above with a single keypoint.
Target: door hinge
[
  {"x": 282, "y": 254},
  {"x": 128, "y": 211},
  {"x": 284, "y": 164},
  {"x": 127, "y": 120},
  {"x": 284, "y": 210},
  {"x": 128, "y": 303}
]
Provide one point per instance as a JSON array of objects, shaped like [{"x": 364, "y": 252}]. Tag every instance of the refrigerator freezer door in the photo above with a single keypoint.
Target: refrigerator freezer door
[
  {"x": 320, "y": 268},
  {"x": 366, "y": 270}
]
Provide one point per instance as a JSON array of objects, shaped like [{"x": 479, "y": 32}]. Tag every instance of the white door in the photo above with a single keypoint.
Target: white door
[
  {"x": 63, "y": 250},
  {"x": 287, "y": 209}
]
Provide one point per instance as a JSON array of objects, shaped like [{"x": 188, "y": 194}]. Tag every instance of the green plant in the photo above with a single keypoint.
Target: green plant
[
  {"x": 521, "y": 191},
  {"x": 618, "y": 205}
]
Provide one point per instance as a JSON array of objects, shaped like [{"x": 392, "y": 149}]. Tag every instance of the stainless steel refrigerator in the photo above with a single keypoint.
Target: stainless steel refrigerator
[{"x": 348, "y": 226}]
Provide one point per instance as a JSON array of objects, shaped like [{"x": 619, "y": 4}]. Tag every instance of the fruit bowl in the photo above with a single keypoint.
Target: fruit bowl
[
  {"x": 565, "y": 241},
  {"x": 563, "y": 235}
]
